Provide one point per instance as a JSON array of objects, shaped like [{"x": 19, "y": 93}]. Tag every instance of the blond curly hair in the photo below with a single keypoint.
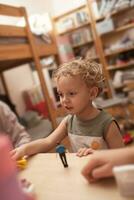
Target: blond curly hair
[{"x": 89, "y": 71}]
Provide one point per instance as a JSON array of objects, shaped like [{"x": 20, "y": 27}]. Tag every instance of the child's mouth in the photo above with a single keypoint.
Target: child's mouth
[{"x": 68, "y": 108}]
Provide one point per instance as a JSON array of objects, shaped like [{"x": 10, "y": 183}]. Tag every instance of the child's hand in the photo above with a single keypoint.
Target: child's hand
[
  {"x": 101, "y": 163},
  {"x": 18, "y": 152},
  {"x": 84, "y": 152}
]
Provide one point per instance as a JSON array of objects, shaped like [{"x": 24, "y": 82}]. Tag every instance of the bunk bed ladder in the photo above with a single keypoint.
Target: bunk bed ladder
[{"x": 25, "y": 31}]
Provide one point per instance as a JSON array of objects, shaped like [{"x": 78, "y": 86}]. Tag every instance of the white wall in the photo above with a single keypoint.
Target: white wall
[
  {"x": 17, "y": 80},
  {"x": 32, "y": 6},
  {"x": 61, "y": 6},
  {"x": 54, "y": 7}
]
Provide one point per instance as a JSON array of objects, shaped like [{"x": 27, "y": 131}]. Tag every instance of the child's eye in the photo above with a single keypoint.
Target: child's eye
[
  {"x": 72, "y": 93},
  {"x": 60, "y": 94}
]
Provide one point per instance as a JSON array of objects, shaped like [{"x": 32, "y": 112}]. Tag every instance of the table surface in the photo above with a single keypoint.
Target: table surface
[{"x": 54, "y": 182}]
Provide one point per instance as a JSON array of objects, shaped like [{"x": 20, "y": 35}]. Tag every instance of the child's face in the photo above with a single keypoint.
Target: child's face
[{"x": 74, "y": 94}]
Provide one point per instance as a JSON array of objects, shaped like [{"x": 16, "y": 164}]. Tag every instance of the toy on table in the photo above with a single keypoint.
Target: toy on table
[
  {"x": 27, "y": 187},
  {"x": 61, "y": 150},
  {"x": 22, "y": 163},
  {"x": 127, "y": 138},
  {"x": 9, "y": 185}
]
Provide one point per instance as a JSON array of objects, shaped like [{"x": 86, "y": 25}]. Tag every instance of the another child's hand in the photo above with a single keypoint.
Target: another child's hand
[
  {"x": 101, "y": 163},
  {"x": 18, "y": 152},
  {"x": 84, "y": 152}
]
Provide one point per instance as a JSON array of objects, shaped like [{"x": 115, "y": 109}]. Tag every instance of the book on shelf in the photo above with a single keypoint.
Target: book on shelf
[
  {"x": 81, "y": 17},
  {"x": 81, "y": 36},
  {"x": 65, "y": 48}
]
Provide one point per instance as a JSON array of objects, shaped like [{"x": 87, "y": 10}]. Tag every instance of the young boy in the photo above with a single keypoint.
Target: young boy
[
  {"x": 78, "y": 84},
  {"x": 10, "y": 126}
]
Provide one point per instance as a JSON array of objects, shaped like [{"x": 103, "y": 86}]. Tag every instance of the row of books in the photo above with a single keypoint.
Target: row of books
[
  {"x": 81, "y": 36},
  {"x": 72, "y": 21}
]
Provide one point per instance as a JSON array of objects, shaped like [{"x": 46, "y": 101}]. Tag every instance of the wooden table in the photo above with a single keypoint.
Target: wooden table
[{"x": 54, "y": 182}]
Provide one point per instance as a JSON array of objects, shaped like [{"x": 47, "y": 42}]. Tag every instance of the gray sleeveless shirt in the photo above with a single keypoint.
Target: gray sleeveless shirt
[{"x": 90, "y": 133}]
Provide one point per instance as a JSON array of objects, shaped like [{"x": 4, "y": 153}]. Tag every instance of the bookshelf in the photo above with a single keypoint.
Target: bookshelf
[
  {"x": 76, "y": 26},
  {"x": 117, "y": 42},
  {"x": 80, "y": 34},
  {"x": 115, "y": 33},
  {"x": 100, "y": 46}
]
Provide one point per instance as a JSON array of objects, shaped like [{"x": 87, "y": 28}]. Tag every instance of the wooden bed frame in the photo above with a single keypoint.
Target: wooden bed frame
[{"x": 13, "y": 55}]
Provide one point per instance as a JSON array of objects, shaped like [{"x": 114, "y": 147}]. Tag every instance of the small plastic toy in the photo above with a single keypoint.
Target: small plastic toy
[
  {"x": 27, "y": 187},
  {"x": 22, "y": 163},
  {"x": 61, "y": 150},
  {"x": 127, "y": 138}
]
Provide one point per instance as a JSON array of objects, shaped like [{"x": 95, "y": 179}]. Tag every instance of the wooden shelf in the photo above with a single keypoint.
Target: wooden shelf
[
  {"x": 114, "y": 12},
  {"x": 117, "y": 30},
  {"x": 74, "y": 28},
  {"x": 121, "y": 66},
  {"x": 94, "y": 57},
  {"x": 68, "y": 13},
  {"x": 127, "y": 26},
  {"x": 81, "y": 44},
  {"x": 102, "y": 55},
  {"x": 119, "y": 87},
  {"x": 119, "y": 51}
]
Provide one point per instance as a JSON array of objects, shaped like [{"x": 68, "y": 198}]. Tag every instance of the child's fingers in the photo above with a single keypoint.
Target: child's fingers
[
  {"x": 13, "y": 154},
  {"x": 87, "y": 171},
  {"x": 81, "y": 152},
  {"x": 102, "y": 171},
  {"x": 84, "y": 151},
  {"x": 88, "y": 151},
  {"x": 96, "y": 169}
]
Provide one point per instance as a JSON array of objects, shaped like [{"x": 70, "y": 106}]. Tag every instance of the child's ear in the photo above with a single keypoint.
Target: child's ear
[{"x": 93, "y": 92}]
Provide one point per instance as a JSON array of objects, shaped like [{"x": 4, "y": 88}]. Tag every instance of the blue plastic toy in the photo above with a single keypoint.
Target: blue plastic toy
[{"x": 61, "y": 150}]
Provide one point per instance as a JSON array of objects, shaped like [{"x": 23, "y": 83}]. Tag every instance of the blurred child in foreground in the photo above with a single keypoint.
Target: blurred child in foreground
[{"x": 10, "y": 126}]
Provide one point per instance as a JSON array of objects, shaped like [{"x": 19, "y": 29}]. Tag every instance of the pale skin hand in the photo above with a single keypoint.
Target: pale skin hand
[
  {"x": 84, "y": 152},
  {"x": 101, "y": 163},
  {"x": 18, "y": 152},
  {"x": 41, "y": 145}
]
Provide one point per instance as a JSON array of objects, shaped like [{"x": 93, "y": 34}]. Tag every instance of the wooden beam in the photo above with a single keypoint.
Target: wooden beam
[
  {"x": 10, "y": 11},
  {"x": 99, "y": 47},
  {"x": 22, "y": 51},
  {"x": 12, "y": 31},
  {"x": 14, "y": 51},
  {"x": 51, "y": 109}
]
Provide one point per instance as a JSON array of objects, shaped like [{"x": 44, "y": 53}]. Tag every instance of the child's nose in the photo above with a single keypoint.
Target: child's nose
[{"x": 65, "y": 99}]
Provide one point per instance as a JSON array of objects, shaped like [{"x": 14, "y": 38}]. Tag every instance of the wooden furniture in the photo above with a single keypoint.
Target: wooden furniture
[
  {"x": 24, "y": 50},
  {"x": 52, "y": 181},
  {"x": 82, "y": 34},
  {"x": 123, "y": 22},
  {"x": 114, "y": 45},
  {"x": 100, "y": 41},
  {"x": 75, "y": 21}
]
